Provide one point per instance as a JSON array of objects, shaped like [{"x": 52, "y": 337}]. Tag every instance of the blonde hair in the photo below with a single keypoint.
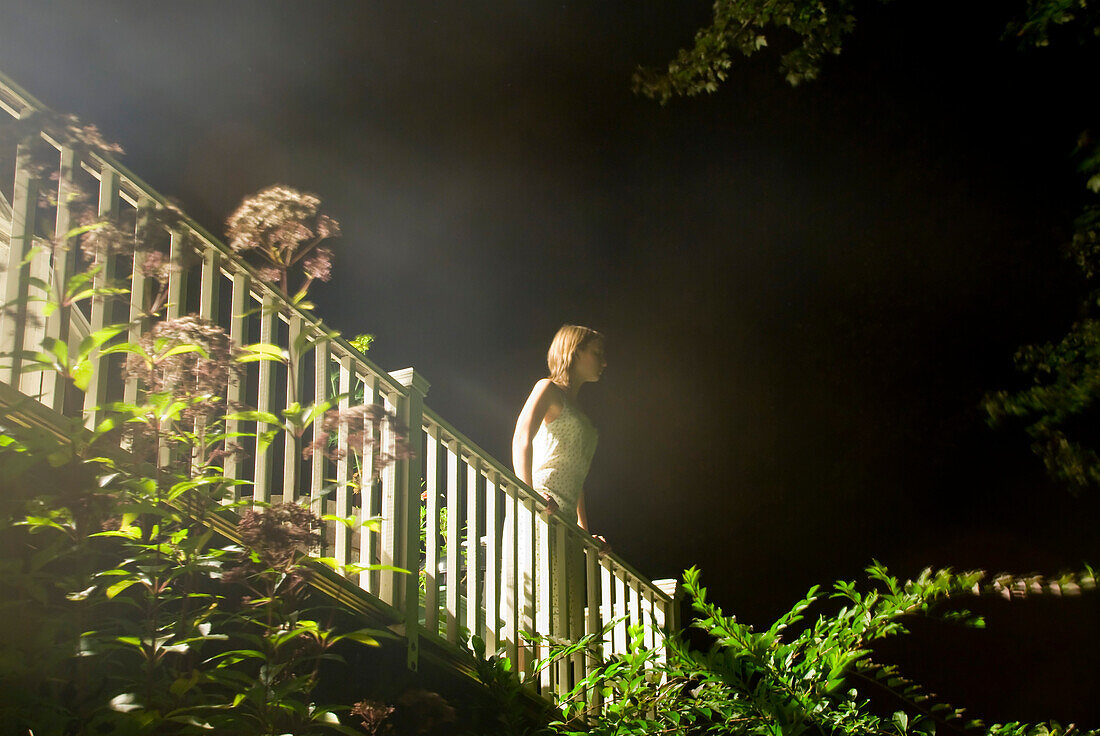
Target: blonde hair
[{"x": 564, "y": 347}]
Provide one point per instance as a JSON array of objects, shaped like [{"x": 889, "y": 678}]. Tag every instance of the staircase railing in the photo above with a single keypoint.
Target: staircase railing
[{"x": 474, "y": 539}]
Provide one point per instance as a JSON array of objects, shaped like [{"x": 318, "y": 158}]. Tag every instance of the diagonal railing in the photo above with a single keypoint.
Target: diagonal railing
[{"x": 479, "y": 537}]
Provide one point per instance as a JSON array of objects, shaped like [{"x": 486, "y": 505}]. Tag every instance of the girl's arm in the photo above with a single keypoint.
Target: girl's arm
[
  {"x": 582, "y": 512},
  {"x": 542, "y": 405}
]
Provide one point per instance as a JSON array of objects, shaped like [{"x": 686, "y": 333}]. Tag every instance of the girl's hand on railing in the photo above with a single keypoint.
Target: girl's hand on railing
[
  {"x": 551, "y": 505},
  {"x": 605, "y": 546}
]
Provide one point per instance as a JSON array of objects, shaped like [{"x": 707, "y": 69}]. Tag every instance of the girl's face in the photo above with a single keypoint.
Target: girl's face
[{"x": 589, "y": 362}]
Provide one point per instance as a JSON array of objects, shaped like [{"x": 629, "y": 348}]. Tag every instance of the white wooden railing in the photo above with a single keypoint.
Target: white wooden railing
[{"x": 448, "y": 481}]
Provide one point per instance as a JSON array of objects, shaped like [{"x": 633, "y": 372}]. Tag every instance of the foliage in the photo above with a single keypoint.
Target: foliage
[
  {"x": 817, "y": 29},
  {"x": 1045, "y": 18},
  {"x": 743, "y": 26},
  {"x": 1059, "y": 407},
  {"x": 128, "y": 613},
  {"x": 796, "y": 677}
]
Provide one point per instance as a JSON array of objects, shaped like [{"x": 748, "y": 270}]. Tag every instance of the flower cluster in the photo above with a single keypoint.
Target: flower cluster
[
  {"x": 283, "y": 227},
  {"x": 364, "y": 424},
  {"x": 191, "y": 375},
  {"x": 280, "y": 533}
]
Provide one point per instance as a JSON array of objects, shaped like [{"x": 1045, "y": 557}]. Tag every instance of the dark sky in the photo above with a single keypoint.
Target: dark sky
[{"x": 805, "y": 291}]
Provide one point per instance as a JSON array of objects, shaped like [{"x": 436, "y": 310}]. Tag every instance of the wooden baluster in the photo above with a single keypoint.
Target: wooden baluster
[
  {"x": 101, "y": 307},
  {"x": 454, "y": 523},
  {"x": 138, "y": 297},
  {"x": 634, "y": 601},
  {"x": 492, "y": 564},
  {"x": 261, "y": 490},
  {"x": 391, "y": 514},
  {"x": 431, "y": 532},
  {"x": 649, "y": 641},
  {"x": 368, "y": 490},
  {"x": 59, "y": 324},
  {"x": 234, "y": 396},
  {"x": 510, "y": 594},
  {"x": 341, "y": 534},
  {"x": 526, "y": 514},
  {"x": 592, "y": 619},
  {"x": 607, "y": 605},
  {"x": 543, "y": 591},
  {"x": 620, "y": 636},
  {"x": 473, "y": 548},
  {"x": 177, "y": 275},
  {"x": 559, "y": 587},
  {"x": 14, "y": 318},
  {"x": 292, "y": 444},
  {"x": 321, "y": 363}
]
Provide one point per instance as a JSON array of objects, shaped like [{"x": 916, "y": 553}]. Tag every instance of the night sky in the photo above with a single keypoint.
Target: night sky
[{"x": 805, "y": 291}]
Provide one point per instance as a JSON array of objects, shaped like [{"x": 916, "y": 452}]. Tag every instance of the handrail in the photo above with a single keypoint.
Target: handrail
[{"x": 532, "y": 494}]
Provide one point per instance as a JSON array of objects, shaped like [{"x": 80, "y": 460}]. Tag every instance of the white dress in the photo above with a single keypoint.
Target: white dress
[{"x": 562, "y": 453}]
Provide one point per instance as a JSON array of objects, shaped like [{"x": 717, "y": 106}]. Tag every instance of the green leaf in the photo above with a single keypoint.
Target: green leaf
[{"x": 118, "y": 587}]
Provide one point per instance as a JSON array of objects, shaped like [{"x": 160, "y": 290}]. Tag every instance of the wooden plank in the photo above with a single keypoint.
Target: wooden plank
[
  {"x": 261, "y": 490},
  {"x": 292, "y": 445},
  {"x": 559, "y": 604},
  {"x": 368, "y": 490},
  {"x": 525, "y": 584},
  {"x": 138, "y": 298},
  {"x": 473, "y": 548},
  {"x": 431, "y": 531},
  {"x": 454, "y": 524},
  {"x": 592, "y": 621},
  {"x": 59, "y": 324},
  {"x": 176, "y": 306},
  {"x": 619, "y": 645},
  {"x": 234, "y": 398},
  {"x": 510, "y": 594},
  {"x": 321, "y": 362},
  {"x": 492, "y": 564},
  {"x": 13, "y": 319},
  {"x": 101, "y": 308},
  {"x": 543, "y": 591},
  {"x": 391, "y": 515},
  {"x": 208, "y": 283},
  {"x": 341, "y": 534}
]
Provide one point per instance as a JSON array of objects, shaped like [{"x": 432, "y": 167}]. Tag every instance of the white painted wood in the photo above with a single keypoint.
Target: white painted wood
[
  {"x": 559, "y": 600},
  {"x": 138, "y": 302},
  {"x": 341, "y": 534},
  {"x": 493, "y": 494},
  {"x": 208, "y": 283},
  {"x": 368, "y": 490},
  {"x": 13, "y": 318},
  {"x": 543, "y": 591},
  {"x": 59, "y": 324},
  {"x": 391, "y": 513},
  {"x": 473, "y": 548},
  {"x": 261, "y": 490},
  {"x": 321, "y": 391},
  {"x": 510, "y": 580},
  {"x": 431, "y": 531},
  {"x": 526, "y": 584},
  {"x": 619, "y": 637},
  {"x": 634, "y": 602},
  {"x": 100, "y": 311},
  {"x": 592, "y": 622},
  {"x": 292, "y": 445},
  {"x": 234, "y": 398},
  {"x": 454, "y": 523},
  {"x": 648, "y": 639},
  {"x": 177, "y": 276}
]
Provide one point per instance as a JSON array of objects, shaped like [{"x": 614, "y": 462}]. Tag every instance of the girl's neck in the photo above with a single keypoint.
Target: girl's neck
[{"x": 571, "y": 389}]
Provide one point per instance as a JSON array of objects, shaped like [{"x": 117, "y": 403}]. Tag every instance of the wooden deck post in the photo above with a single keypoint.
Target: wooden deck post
[{"x": 410, "y": 473}]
